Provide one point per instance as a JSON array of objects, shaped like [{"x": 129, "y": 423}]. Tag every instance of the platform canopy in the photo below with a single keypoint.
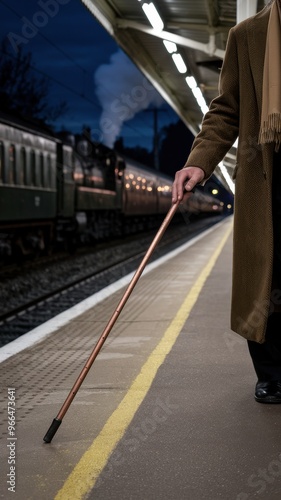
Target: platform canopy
[{"x": 179, "y": 45}]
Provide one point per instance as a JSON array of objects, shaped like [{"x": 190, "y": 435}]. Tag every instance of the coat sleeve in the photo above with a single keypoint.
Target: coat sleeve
[{"x": 220, "y": 125}]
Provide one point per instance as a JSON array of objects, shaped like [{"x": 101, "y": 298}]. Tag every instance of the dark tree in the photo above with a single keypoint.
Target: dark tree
[
  {"x": 175, "y": 145},
  {"x": 137, "y": 153},
  {"x": 22, "y": 92}
]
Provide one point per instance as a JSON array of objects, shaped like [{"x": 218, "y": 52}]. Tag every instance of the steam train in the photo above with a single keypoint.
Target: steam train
[{"x": 61, "y": 190}]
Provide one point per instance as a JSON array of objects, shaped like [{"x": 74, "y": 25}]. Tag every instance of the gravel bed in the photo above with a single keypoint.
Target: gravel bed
[{"x": 33, "y": 283}]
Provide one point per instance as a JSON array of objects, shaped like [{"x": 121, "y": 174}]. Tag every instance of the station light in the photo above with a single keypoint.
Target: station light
[
  {"x": 153, "y": 16},
  {"x": 215, "y": 191},
  {"x": 191, "y": 82},
  {"x": 179, "y": 62},
  {"x": 227, "y": 177},
  {"x": 170, "y": 46},
  {"x": 199, "y": 97}
]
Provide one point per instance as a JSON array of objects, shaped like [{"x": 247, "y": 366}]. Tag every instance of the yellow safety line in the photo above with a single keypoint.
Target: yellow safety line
[{"x": 86, "y": 472}]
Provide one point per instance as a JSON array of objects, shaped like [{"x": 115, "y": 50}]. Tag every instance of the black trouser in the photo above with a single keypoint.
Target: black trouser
[{"x": 267, "y": 356}]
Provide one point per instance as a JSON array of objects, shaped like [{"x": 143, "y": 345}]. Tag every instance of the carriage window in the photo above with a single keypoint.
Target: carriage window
[
  {"x": 1, "y": 162},
  {"x": 78, "y": 172},
  {"x": 12, "y": 164},
  {"x": 33, "y": 168},
  {"x": 49, "y": 172},
  {"x": 23, "y": 174},
  {"x": 41, "y": 172}
]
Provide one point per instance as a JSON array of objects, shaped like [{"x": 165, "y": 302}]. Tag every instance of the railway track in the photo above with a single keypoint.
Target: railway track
[{"x": 43, "y": 303}]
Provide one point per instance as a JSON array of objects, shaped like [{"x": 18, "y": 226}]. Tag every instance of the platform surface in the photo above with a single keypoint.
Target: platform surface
[{"x": 167, "y": 410}]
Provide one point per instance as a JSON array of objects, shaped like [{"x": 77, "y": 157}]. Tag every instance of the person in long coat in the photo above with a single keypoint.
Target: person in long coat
[{"x": 249, "y": 107}]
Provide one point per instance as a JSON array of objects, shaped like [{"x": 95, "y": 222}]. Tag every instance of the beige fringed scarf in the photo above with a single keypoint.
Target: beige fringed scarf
[{"x": 270, "y": 130}]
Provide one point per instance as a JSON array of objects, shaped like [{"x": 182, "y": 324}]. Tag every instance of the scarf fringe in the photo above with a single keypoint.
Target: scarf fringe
[
  {"x": 270, "y": 126},
  {"x": 271, "y": 130}
]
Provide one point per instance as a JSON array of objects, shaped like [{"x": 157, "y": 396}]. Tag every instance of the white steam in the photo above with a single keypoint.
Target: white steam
[{"x": 122, "y": 91}]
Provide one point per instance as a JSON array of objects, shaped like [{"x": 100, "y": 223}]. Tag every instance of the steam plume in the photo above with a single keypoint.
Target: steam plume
[{"x": 122, "y": 91}]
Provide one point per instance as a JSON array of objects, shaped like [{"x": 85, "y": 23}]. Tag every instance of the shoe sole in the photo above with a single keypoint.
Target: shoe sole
[{"x": 268, "y": 400}]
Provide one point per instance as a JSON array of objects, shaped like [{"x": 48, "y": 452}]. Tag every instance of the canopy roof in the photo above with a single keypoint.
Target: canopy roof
[{"x": 198, "y": 30}]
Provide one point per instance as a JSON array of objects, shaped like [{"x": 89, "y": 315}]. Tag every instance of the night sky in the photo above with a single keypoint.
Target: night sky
[{"x": 84, "y": 65}]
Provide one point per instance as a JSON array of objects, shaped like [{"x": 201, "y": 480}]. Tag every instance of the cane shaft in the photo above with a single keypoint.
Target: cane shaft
[{"x": 116, "y": 313}]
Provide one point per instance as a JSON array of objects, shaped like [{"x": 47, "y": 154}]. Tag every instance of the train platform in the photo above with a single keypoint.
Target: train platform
[{"x": 167, "y": 411}]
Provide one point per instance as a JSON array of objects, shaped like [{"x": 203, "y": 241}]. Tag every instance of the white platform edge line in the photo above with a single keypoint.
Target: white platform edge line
[{"x": 41, "y": 332}]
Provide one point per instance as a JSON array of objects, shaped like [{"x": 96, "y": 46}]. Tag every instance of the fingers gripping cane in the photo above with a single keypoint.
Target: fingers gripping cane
[{"x": 58, "y": 420}]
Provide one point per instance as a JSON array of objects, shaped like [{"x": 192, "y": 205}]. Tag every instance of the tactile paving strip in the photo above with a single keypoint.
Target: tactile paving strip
[{"x": 56, "y": 362}]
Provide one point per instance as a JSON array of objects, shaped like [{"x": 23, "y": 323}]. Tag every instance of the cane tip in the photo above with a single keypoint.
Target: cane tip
[{"x": 52, "y": 430}]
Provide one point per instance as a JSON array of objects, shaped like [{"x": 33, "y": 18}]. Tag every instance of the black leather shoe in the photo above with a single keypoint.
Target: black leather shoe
[{"x": 268, "y": 392}]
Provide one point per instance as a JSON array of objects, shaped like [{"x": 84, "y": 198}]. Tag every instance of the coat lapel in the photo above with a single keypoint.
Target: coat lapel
[{"x": 257, "y": 31}]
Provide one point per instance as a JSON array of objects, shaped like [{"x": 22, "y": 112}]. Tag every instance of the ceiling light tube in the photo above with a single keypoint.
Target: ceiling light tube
[
  {"x": 191, "y": 82},
  {"x": 227, "y": 177},
  {"x": 179, "y": 62},
  {"x": 204, "y": 108},
  {"x": 200, "y": 100},
  {"x": 153, "y": 16},
  {"x": 170, "y": 46},
  {"x": 199, "y": 97}
]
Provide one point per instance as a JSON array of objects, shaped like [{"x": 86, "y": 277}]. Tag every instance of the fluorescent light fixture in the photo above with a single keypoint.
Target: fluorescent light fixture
[
  {"x": 179, "y": 62},
  {"x": 227, "y": 177},
  {"x": 199, "y": 96},
  {"x": 191, "y": 82},
  {"x": 153, "y": 16},
  {"x": 200, "y": 100},
  {"x": 170, "y": 46},
  {"x": 205, "y": 109}
]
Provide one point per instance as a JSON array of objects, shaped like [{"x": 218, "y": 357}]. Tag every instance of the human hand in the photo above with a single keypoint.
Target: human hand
[{"x": 185, "y": 180}]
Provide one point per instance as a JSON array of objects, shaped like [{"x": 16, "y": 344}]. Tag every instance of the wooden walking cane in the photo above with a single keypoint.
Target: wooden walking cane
[{"x": 57, "y": 421}]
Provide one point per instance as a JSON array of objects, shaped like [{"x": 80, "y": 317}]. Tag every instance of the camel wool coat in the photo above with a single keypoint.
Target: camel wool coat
[{"x": 236, "y": 112}]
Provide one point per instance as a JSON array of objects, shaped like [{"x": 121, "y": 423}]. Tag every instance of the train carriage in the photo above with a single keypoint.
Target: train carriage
[
  {"x": 67, "y": 189},
  {"x": 27, "y": 175}
]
